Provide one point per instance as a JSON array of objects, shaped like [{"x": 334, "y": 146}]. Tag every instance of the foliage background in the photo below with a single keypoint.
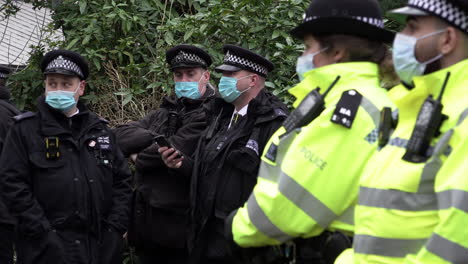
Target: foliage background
[{"x": 125, "y": 43}]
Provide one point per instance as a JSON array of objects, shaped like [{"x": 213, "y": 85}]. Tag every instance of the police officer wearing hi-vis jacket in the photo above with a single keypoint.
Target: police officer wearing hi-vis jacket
[
  {"x": 413, "y": 197},
  {"x": 63, "y": 177},
  {"x": 308, "y": 180}
]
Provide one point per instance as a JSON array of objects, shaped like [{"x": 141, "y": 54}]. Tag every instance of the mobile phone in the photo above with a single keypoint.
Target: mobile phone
[{"x": 163, "y": 142}]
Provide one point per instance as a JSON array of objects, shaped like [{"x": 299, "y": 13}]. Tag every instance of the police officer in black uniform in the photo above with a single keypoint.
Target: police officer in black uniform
[
  {"x": 7, "y": 224},
  {"x": 228, "y": 154},
  {"x": 160, "y": 208},
  {"x": 64, "y": 178}
]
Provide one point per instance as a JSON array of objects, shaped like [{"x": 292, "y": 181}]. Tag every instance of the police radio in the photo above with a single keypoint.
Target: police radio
[
  {"x": 428, "y": 123},
  {"x": 309, "y": 109},
  {"x": 386, "y": 125}
]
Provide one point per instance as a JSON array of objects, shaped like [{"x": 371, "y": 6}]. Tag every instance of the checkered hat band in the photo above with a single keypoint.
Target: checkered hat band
[
  {"x": 443, "y": 9},
  {"x": 252, "y": 66},
  {"x": 3, "y": 75},
  {"x": 187, "y": 58},
  {"x": 369, "y": 20},
  {"x": 65, "y": 64}
]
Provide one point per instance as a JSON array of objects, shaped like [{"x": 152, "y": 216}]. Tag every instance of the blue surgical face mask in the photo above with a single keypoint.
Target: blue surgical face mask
[
  {"x": 404, "y": 58},
  {"x": 228, "y": 88},
  {"x": 61, "y": 100},
  {"x": 188, "y": 89},
  {"x": 305, "y": 63}
]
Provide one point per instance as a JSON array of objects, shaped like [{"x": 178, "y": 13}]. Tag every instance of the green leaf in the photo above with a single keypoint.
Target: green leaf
[
  {"x": 270, "y": 84},
  {"x": 127, "y": 99},
  {"x": 83, "y": 5},
  {"x": 72, "y": 43},
  {"x": 86, "y": 40},
  {"x": 188, "y": 34},
  {"x": 245, "y": 20}
]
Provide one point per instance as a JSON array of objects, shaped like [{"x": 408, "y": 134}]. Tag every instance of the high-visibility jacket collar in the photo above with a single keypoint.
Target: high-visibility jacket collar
[
  {"x": 431, "y": 84},
  {"x": 364, "y": 72}
]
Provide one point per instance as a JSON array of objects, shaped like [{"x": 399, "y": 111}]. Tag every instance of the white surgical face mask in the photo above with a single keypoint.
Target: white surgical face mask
[
  {"x": 305, "y": 63},
  {"x": 404, "y": 58}
]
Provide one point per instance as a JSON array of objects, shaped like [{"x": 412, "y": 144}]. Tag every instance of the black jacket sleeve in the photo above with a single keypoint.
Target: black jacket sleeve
[
  {"x": 185, "y": 140},
  {"x": 119, "y": 214},
  {"x": 136, "y": 136},
  {"x": 16, "y": 186}
]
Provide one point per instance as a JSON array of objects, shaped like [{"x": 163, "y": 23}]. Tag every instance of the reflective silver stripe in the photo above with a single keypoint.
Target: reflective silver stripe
[
  {"x": 372, "y": 110},
  {"x": 308, "y": 203},
  {"x": 263, "y": 223},
  {"x": 462, "y": 117},
  {"x": 395, "y": 199},
  {"x": 347, "y": 216},
  {"x": 432, "y": 167},
  {"x": 399, "y": 248},
  {"x": 453, "y": 198},
  {"x": 446, "y": 249},
  {"x": 268, "y": 172}
]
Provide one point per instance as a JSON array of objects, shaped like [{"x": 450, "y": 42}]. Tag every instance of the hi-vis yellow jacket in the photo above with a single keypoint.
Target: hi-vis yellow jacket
[
  {"x": 308, "y": 179},
  {"x": 418, "y": 212}
]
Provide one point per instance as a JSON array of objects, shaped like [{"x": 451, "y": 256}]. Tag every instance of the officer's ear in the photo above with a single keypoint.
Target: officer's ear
[
  {"x": 449, "y": 40},
  {"x": 254, "y": 80},
  {"x": 339, "y": 54},
  {"x": 207, "y": 75},
  {"x": 81, "y": 89}
]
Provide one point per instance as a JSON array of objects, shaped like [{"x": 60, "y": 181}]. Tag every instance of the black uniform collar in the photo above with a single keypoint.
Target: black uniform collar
[{"x": 54, "y": 122}]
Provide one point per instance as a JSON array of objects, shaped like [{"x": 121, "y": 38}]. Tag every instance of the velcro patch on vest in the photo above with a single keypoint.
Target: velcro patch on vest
[
  {"x": 272, "y": 152},
  {"x": 347, "y": 108}
]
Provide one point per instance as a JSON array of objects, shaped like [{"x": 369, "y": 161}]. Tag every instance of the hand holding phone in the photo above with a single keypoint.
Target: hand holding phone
[{"x": 163, "y": 142}]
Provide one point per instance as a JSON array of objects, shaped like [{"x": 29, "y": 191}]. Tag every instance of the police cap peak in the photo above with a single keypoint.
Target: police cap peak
[
  {"x": 361, "y": 18},
  {"x": 237, "y": 58},
  {"x": 187, "y": 56},
  {"x": 65, "y": 62},
  {"x": 454, "y": 12},
  {"x": 4, "y": 72}
]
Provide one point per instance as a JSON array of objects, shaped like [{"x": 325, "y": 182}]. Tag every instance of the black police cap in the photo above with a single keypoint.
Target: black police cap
[
  {"x": 454, "y": 12},
  {"x": 187, "y": 56},
  {"x": 361, "y": 18},
  {"x": 4, "y": 72},
  {"x": 237, "y": 58},
  {"x": 65, "y": 62}
]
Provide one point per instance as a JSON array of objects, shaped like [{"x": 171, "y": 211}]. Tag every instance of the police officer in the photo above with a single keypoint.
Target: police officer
[
  {"x": 160, "y": 210},
  {"x": 413, "y": 196},
  {"x": 308, "y": 180},
  {"x": 7, "y": 112},
  {"x": 64, "y": 178},
  {"x": 227, "y": 157}
]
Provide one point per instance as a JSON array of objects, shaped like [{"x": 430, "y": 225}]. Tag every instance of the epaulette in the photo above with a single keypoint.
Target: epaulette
[
  {"x": 24, "y": 116},
  {"x": 280, "y": 112},
  {"x": 103, "y": 120},
  {"x": 347, "y": 108}
]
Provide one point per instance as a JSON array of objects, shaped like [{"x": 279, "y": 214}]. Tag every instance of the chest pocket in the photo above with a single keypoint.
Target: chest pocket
[
  {"x": 40, "y": 161},
  {"x": 238, "y": 180}
]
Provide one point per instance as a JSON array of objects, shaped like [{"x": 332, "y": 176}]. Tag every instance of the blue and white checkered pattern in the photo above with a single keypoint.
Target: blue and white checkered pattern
[
  {"x": 252, "y": 66},
  {"x": 183, "y": 56},
  {"x": 443, "y": 9},
  {"x": 66, "y": 64},
  {"x": 369, "y": 20}
]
